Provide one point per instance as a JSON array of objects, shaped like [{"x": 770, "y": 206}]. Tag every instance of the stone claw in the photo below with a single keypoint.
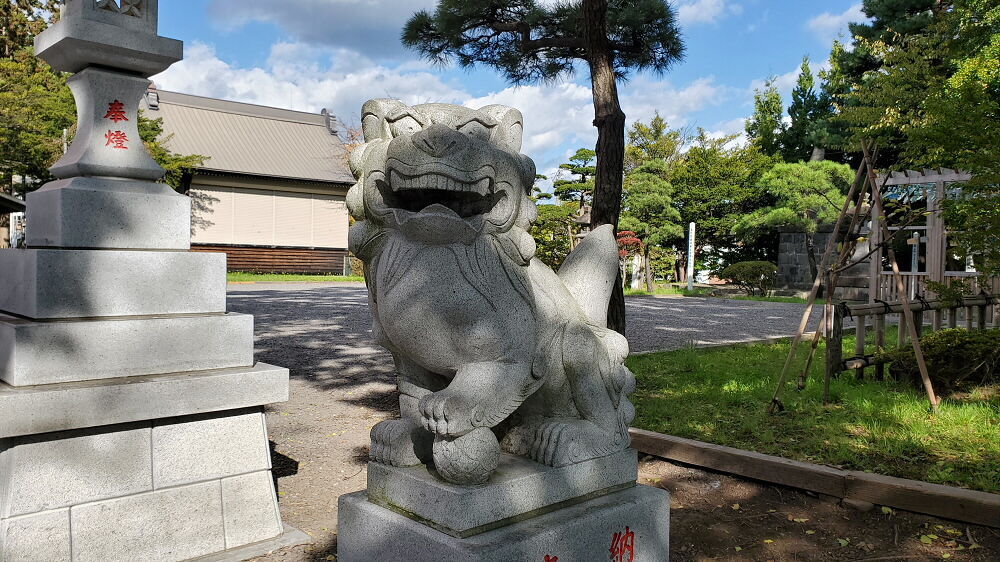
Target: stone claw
[
  {"x": 398, "y": 443},
  {"x": 446, "y": 414}
]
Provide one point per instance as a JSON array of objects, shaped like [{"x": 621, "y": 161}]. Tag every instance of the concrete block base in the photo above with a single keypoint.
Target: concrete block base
[
  {"x": 167, "y": 490},
  {"x": 633, "y": 524}
]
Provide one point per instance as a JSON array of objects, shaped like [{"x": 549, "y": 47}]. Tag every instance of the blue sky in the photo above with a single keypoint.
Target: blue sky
[{"x": 315, "y": 54}]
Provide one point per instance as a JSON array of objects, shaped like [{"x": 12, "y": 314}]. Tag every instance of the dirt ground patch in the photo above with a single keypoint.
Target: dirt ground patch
[{"x": 719, "y": 517}]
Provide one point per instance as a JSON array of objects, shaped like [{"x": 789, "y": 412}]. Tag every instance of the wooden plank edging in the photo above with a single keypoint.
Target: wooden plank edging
[{"x": 971, "y": 506}]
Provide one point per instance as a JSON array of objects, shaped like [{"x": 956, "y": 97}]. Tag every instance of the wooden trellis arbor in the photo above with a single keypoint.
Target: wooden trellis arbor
[{"x": 903, "y": 255}]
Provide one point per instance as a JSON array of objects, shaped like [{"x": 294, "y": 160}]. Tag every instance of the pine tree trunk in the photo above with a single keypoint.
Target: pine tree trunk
[
  {"x": 818, "y": 154},
  {"x": 813, "y": 262},
  {"x": 610, "y": 122}
]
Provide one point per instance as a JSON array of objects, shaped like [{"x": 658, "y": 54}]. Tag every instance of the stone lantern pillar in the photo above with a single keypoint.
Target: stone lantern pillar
[{"x": 131, "y": 421}]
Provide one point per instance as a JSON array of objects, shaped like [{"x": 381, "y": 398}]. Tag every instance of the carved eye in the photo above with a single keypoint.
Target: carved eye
[
  {"x": 477, "y": 130},
  {"x": 405, "y": 125}
]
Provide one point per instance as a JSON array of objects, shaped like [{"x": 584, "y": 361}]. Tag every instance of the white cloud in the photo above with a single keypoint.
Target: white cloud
[
  {"x": 562, "y": 114},
  {"x": 297, "y": 77},
  {"x": 558, "y": 117},
  {"x": 691, "y": 12},
  {"x": 828, "y": 26},
  {"x": 553, "y": 114},
  {"x": 369, "y": 25}
]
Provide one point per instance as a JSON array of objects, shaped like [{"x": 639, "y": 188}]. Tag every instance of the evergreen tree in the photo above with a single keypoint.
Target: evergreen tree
[
  {"x": 653, "y": 141},
  {"x": 800, "y": 195},
  {"x": 889, "y": 21},
  {"x": 648, "y": 210},
  {"x": 715, "y": 184},
  {"x": 807, "y": 137},
  {"x": 21, "y": 20},
  {"x": 765, "y": 127},
  {"x": 36, "y": 107},
  {"x": 531, "y": 42},
  {"x": 581, "y": 187}
]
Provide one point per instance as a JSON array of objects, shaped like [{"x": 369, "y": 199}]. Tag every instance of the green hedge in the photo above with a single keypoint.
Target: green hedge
[
  {"x": 755, "y": 277},
  {"x": 956, "y": 359}
]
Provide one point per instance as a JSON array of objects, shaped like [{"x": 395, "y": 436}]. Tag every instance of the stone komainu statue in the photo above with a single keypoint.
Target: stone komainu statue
[{"x": 492, "y": 348}]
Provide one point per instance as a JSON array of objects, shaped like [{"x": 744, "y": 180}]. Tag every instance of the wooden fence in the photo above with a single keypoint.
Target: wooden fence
[{"x": 975, "y": 313}]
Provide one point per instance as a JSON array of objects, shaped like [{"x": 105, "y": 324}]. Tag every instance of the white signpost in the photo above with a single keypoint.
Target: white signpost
[{"x": 690, "y": 270}]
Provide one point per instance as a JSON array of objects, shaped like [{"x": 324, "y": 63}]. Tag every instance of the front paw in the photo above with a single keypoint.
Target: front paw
[
  {"x": 446, "y": 414},
  {"x": 399, "y": 443}
]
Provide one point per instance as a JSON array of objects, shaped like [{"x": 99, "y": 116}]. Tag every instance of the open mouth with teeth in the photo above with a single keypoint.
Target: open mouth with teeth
[{"x": 432, "y": 190}]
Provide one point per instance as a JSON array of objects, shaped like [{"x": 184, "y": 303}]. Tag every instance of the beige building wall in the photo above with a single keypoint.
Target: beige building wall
[{"x": 261, "y": 217}]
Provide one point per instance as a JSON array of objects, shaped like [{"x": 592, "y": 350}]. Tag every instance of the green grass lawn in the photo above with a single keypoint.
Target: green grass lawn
[
  {"x": 798, "y": 300},
  {"x": 667, "y": 290},
  {"x": 239, "y": 277},
  {"x": 720, "y": 395},
  {"x": 674, "y": 290}
]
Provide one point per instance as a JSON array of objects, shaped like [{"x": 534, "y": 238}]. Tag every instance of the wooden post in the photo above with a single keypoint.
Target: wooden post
[
  {"x": 918, "y": 322},
  {"x": 981, "y": 317},
  {"x": 859, "y": 343},
  {"x": 937, "y": 244},
  {"x": 834, "y": 347},
  {"x": 952, "y": 317},
  {"x": 880, "y": 345},
  {"x": 968, "y": 318},
  {"x": 901, "y": 333}
]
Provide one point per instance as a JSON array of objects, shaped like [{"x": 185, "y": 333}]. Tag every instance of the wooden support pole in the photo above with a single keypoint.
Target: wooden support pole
[
  {"x": 879, "y": 345},
  {"x": 904, "y": 298},
  {"x": 953, "y": 318},
  {"x": 901, "y": 332},
  {"x": 834, "y": 346},
  {"x": 981, "y": 317},
  {"x": 859, "y": 179},
  {"x": 859, "y": 343},
  {"x": 918, "y": 322},
  {"x": 968, "y": 318}
]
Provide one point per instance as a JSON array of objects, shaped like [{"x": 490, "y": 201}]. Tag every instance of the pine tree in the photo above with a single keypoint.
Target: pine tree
[
  {"x": 653, "y": 141},
  {"x": 808, "y": 135},
  {"x": 532, "y": 42},
  {"x": 765, "y": 127},
  {"x": 581, "y": 187}
]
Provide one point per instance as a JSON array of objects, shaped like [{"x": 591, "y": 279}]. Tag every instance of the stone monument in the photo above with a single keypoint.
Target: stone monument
[
  {"x": 131, "y": 423},
  {"x": 512, "y": 441}
]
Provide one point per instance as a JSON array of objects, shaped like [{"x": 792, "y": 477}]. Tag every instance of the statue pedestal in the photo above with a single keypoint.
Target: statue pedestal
[
  {"x": 131, "y": 408},
  {"x": 527, "y": 511},
  {"x": 635, "y": 520}
]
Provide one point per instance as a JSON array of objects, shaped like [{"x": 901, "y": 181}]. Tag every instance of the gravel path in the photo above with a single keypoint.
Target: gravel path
[{"x": 342, "y": 384}]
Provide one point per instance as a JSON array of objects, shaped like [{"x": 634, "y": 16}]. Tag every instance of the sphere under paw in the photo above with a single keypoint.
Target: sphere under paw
[{"x": 467, "y": 460}]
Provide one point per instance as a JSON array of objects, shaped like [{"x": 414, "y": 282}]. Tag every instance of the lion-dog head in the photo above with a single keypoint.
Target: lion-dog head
[{"x": 441, "y": 174}]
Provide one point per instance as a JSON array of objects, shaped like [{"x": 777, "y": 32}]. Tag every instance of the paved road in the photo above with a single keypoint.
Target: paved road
[{"x": 342, "y": 383}]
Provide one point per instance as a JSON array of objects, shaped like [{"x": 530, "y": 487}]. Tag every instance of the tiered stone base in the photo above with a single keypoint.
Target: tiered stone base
[
  {"x": 636, "y": 520},
  {"x": 527, "y": 511},
  {"x": 171, "y": 488}
]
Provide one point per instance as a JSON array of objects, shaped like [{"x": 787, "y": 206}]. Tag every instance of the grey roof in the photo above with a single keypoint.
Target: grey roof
[
  {"x": 10, "y": 204},
  {"x": 251, "y": 139}
]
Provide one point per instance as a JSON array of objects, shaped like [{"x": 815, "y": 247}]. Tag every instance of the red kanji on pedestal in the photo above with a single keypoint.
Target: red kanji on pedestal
[
  {"x": 116, "y": 111},
  {"x": 623, "y": 546},
  {"x": 116, "y": 139}
]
